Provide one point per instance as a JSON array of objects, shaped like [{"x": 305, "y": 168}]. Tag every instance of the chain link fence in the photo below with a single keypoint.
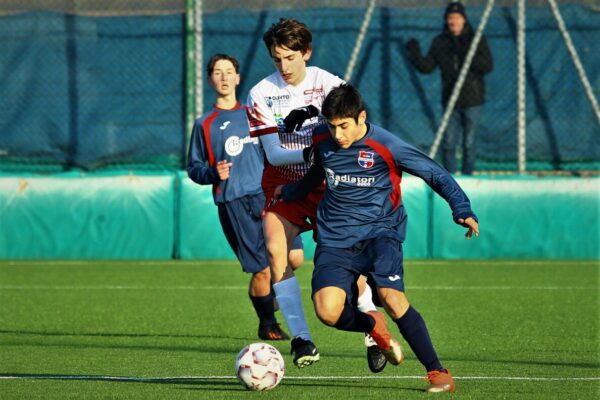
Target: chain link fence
[
  {"x": 91, "y": 84},
  {"x": 113, "y": 84}
]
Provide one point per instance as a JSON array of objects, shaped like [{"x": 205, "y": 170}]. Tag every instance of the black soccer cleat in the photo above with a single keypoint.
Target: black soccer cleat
[
  {"x": 272, "y": 332},
  {"x": 375, "y": 357},
  {"x": 305, "y": 352}
]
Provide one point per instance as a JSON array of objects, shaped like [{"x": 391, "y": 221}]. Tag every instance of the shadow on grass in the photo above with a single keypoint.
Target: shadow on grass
[
  {"x": 213, "y": 340},
  {"x": 120, "y": 335},
  {"x": 341, "y": 384},
  {"x": 206, "y": 343},
  {"x": 229, "y": 384}
]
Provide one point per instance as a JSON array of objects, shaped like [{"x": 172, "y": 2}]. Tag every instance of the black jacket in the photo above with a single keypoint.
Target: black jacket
[{"x": 448, "y": 52}]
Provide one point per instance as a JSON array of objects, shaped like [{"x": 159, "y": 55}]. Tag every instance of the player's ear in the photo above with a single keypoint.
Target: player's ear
[
  {"x": 306, "y": 56},
  {"x": 362, "y": 117},
  {"x": 237, "y": 79}
]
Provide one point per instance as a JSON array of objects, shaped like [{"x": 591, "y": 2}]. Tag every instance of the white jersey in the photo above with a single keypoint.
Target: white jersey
[{"x": 272, "y": 99}]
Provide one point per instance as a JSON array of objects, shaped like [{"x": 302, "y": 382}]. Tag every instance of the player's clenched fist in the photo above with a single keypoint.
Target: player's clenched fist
[
  {"x": 223, "y": 168},
  {"x": 296, "y": 117}
]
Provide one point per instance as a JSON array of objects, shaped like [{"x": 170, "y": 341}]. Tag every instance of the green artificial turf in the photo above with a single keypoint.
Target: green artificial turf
[{"x": 172, "y": 330}]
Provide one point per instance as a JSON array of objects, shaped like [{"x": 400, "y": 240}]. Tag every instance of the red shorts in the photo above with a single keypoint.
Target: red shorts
[{"x": 302, "y": 213}]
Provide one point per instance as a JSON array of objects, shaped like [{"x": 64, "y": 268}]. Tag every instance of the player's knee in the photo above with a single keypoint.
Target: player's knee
[
  {"x": 263, "y": 277},
  {"x": 296, "y": 258},
  {"x": 278, "y": 261},
  {"x": 328, "y": 316},
  {"x": 328, "y": 312},
  {"x": 394, "y": 301},
  {"x": 277, "y": 253}
]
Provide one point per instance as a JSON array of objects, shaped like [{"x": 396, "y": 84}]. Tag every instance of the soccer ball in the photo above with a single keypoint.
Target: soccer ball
[{"x": 259, "y": 366}]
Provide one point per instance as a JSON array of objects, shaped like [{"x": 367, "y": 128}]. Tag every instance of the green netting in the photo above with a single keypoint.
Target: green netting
[{"x": 94, "y": 85}]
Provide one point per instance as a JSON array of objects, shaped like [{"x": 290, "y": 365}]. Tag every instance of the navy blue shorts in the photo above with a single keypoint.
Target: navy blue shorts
[
  {"x": 379, "y": 258},
  {"x": 297, "y": 244},
  {"x": 242, "y": 225}
]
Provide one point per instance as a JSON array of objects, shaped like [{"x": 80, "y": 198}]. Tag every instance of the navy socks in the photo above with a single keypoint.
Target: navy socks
[
  {"x": 265, "y": 308},
  {"x": 353, "y": 320},
  {"x": 413, "y": 329}
]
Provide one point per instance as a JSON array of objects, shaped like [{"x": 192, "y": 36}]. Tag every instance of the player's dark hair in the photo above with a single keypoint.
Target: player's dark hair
[
  {"x": 218, "y": 57},
  {"x": 343, "y": 101},
  {"x": 288, "y": 32}
]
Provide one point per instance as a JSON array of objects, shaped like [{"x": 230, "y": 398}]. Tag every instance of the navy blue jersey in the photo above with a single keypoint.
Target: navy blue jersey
[
  {"x": 225, "y": 135},
  {"x": 363, "y": 198}
]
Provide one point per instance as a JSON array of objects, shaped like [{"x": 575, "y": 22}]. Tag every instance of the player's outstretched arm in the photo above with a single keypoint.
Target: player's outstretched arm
[
  {"x": 277, "y": 154},
  {"x": 415, "y": 162}
]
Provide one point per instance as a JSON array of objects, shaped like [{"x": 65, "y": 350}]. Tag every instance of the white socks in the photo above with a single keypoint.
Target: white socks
[
  {"x": 288, "y": 297},
  {"x": 365, "y": 300}
]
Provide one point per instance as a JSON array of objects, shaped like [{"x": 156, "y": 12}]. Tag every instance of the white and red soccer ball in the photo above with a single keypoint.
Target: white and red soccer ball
[{"x": 259, "y": 366}]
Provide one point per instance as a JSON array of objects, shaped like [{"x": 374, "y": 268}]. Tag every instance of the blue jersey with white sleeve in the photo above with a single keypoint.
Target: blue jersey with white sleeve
[
  {"x": 225, "y": 135},
  {"x": 363, "y": 198}
]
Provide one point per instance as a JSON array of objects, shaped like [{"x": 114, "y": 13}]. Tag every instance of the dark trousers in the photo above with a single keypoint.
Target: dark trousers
[{"x": 462, "y": 124}]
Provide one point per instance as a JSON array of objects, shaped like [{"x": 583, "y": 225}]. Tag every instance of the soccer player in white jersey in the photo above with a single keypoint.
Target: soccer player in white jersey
[{"x": 285, "y": 108}]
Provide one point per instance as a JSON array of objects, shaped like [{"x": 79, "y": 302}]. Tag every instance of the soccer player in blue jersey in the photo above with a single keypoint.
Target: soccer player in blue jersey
[
  {"x": 223, "y": 154},
  {"x": 361, "y": 224}
]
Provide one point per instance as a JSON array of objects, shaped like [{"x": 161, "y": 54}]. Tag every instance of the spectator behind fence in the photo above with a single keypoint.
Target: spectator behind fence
[{"x": 448, "y": 51}]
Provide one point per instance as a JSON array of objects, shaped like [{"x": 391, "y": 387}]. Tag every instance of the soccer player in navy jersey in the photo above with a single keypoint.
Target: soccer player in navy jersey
[
  {"x": 223, "y": 154},
  {"x": 361, "y": 224}
]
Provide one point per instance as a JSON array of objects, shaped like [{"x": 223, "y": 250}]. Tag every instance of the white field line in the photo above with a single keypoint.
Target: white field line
[
  {"x": 308, "y": 262},
  {"x": 200, "y": 287},
  {"x": 300, "y": 378}
]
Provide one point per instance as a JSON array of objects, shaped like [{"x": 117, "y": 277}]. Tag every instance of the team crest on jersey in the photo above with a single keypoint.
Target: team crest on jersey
[{"x": 366, "y": 159}]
